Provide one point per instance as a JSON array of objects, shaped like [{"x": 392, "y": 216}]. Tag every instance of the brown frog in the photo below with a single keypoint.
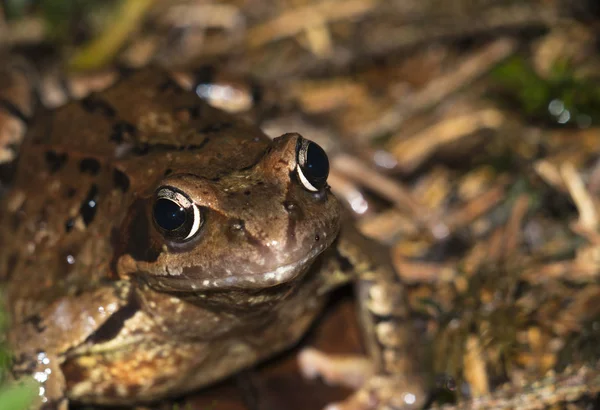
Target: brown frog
[{"x": 151, "y": 245}]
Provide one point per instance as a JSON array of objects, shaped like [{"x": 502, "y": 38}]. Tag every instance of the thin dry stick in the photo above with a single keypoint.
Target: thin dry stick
[
  {"x": 588, "y": 218},
  {"x": 475, "y": 208},
  {"x": 512, "y": 235},
  {"x": 467, "y": 71},
  {"x": 389, "y": 189},
  {"x": 412, "y": 151},
  {"x": 296, "y": 21}
]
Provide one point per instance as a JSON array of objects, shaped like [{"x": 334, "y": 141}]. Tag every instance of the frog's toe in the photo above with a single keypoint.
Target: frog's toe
[
  {"x": 373, "y": 392},
  {"x": 384, "y": 393},
  {"x": 345, "y": 370}
]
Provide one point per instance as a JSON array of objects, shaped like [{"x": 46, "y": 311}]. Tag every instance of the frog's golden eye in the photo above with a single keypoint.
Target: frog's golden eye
[
  {"x": 313, "y": 165},
  {"x": 176, "y": 215}
]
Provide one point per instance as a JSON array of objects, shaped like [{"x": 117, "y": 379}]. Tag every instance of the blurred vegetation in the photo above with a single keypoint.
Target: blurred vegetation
[
  {"x": 560, "y": 100},
  {"x": 12, "y": 396},
  {"x": 96, "y": 29},
  {"x": 63, "y": 17}
]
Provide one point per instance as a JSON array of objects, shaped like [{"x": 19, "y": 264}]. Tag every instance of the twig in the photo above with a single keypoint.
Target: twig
[{"x": 467, "y": 71}]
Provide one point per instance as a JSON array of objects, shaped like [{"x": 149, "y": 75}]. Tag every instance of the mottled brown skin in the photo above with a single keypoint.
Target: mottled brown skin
[{"x": 105, "y": 308}]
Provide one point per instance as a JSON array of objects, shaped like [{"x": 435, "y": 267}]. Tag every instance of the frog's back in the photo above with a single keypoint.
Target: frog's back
[{"x": 83, "y": 165}]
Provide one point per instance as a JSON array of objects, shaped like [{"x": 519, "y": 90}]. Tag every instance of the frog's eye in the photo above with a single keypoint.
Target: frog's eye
[
  {"x": 313, "y": 165},
  {"x": 177, "y": 216}
]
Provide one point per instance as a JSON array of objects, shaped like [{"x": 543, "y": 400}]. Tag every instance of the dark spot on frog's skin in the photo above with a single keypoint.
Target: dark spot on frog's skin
[
  {"x": 94, "y": 104},
  {"x": 69, "y": 225},
  {"x": 168, "y": 171},
  {"x": 121, "y": 180},
  {"x": 89, "y": 166},
  {"x": 55, "y": 161},
  {"x": 25, "y": 364},
  {"x": 111, "y": 328},
  {"x": 122, "y": 131},
  {"x": 10, "y": 267},
  {"x": 216, "y": 127},
  {"x": 89, "y": 205},
  {"x": 13, "y": 110},
  {"x": 247, "y": 192},
  {"x": 36, "y": 321},
  {"x": 70, "y": 192}
]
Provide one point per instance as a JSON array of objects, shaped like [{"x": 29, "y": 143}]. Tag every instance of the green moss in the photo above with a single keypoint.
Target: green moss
[
  {"x": 13, "y": 396},
  {"x": 561, "y": 100},
  {"x": 14, "y": 9},
  {"x": 17, "y": 396}
]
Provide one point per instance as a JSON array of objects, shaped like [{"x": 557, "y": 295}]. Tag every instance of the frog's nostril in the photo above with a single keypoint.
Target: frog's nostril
[{"x": 294, "y": 211}]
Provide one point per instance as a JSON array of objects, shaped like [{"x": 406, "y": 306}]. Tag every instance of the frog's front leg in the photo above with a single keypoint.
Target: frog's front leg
[
  {"x": 40, "y": 342},
  {"x": 394, "y": 377}
]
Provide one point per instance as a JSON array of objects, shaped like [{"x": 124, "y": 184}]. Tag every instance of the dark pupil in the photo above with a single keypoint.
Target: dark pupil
[
  {"x": 316, "y": 168},
  {"x": 168, "y": 214}
]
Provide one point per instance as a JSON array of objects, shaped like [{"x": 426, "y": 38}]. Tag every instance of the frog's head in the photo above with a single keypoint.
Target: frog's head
[{"x": 252, "y": 228}]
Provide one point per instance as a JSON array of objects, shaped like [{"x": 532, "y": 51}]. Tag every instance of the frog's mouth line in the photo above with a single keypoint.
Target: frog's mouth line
[
  {"x": 278, "y": 276},
  {"x": 189, "y": 282}
]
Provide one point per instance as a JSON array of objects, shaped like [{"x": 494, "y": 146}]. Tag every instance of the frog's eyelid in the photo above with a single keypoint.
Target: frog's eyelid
[
  {"x": 175, "y": 196},
  {"x": 304, "y": 181},
  {"x": 196, "y": 224}
]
